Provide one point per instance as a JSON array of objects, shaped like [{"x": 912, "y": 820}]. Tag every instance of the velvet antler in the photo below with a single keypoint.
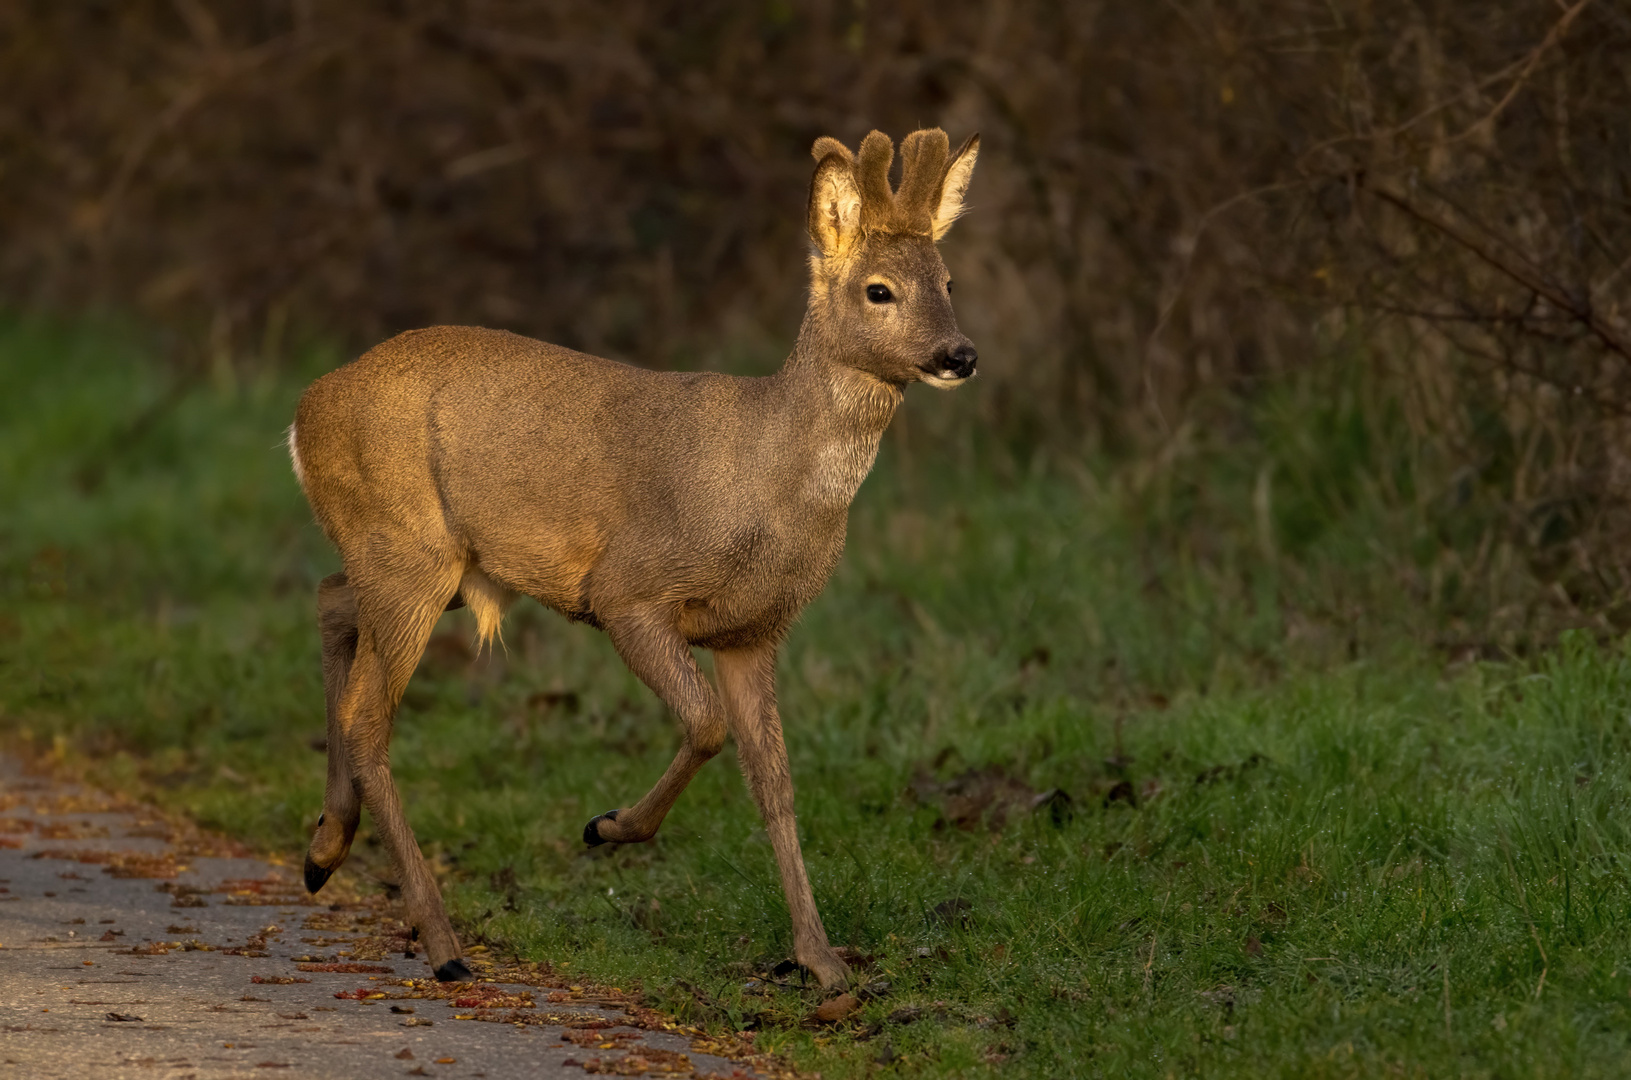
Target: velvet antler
[{"x": 912, "y": 208}]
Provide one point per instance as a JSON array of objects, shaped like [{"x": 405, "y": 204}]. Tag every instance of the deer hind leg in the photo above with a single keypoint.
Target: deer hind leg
[
  {"x": 391, "y": 634},
  {"x": 342, "y": 799},
  {"x": 747, "y": 682},
  {"x": 654, "y": 650}
]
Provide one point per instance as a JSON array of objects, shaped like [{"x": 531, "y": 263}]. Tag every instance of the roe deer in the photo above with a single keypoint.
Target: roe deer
[{"x": 461, "y": 466}]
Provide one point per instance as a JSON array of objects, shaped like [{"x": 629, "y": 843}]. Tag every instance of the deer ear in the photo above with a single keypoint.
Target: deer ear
[
  {"x": 952, "y": 189},
  {"x": 835, "y": 205}
]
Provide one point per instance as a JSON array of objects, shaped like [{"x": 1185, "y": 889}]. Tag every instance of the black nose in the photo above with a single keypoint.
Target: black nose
[{"x": 959, "y": 361}]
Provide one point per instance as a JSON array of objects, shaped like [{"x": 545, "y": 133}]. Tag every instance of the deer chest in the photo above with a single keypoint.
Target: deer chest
[{"x": 767, "y": 575}]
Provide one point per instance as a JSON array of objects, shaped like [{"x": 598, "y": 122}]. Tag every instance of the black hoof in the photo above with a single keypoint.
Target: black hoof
[
  {"x": 454, "y": 971},
  {"x": 316, "y": 876},
  {"x": 591, "y": 831}
]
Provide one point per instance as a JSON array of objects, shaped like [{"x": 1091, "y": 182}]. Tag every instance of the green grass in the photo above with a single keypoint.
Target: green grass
[{"x": 1298, "y": 843}]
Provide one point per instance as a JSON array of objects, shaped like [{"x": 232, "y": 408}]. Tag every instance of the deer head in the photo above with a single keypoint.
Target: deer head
[{"x": 880, "y": 295}]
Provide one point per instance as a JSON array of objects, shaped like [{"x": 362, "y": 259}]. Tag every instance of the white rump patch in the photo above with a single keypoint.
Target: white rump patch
[{"x": 294, "y": 458}]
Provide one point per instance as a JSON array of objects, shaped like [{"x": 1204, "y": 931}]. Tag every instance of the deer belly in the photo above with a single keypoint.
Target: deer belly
[{"x": 550, "y": 567}]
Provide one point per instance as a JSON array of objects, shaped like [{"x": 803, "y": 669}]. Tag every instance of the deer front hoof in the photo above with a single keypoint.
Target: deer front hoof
[
  {"x": 454, "y": 971},
  {"x": 591, "y": 831},
  {"x": 828, "y": 968},
  {"x": 316, "y": 876}
]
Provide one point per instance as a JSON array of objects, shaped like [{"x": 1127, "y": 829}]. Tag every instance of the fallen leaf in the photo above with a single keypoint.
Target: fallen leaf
[
  {"x": 647, "y": 1061},
  {"x": 404, "y": 1054},
  {"x": 953, "y": 912},
  {"x": 596, "y": 1036},
  {"x": 831, "y": 1012},
  {"x": 491, "y": 997},
  {"x": 349, "y": 969},
  {"x": 986, "y": 795},
  {"x": 1122, "y": 792}
]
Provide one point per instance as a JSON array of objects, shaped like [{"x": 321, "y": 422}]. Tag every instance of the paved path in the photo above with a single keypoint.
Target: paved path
[{"x": 131, "y": 946}]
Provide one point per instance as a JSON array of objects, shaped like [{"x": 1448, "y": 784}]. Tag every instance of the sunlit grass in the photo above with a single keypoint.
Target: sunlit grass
[{"x": 1295, "y": 843}]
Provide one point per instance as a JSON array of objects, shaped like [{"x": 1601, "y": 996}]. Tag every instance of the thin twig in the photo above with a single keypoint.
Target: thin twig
[
  {"x": 1559, "y": 28},
  {"x": 1545, "y": 964},
  {"x": 1206, "y": 219},
  {"x": 1522, "y": 275},
  {"x": 1439, "y": 322},
  {"x": 1149, "y": 964},
  {"x": 1522, "y": 67},
  {"x": 1445, "y": 968},
  {"x": 1523, "y": 902}
]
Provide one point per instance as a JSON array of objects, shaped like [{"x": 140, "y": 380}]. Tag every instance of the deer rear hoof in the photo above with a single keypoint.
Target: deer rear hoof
[
  {"x": 591, "y": 831},
  {"x": 316, "y": 876},
  {"x": 454, "y": 971}
]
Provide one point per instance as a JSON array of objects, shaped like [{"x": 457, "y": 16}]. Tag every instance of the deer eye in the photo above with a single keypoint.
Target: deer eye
[
  {"x": 879, "y": 294},
  {"x": 948, "y": 288}
]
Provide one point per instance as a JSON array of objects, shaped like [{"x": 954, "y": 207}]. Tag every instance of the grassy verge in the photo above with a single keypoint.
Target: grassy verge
[{"x": 1107, "y": 772}]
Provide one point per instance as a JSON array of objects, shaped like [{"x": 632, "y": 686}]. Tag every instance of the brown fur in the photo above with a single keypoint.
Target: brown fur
[{"x": 461, "y": 465}]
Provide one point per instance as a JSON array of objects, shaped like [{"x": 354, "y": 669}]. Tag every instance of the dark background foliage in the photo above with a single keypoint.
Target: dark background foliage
[{"x": 1178, "y": 206}]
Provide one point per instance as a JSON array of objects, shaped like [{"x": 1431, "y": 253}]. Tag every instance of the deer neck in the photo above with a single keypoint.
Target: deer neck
[{"x": 839, "y": 413}]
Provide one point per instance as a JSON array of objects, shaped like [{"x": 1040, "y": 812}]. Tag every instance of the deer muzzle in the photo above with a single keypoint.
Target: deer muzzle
[{"x": 954, "y": 365}]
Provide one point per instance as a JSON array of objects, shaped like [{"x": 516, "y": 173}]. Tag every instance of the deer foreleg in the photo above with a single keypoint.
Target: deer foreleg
[
  {"x": 747, "y": 681},
  {"x": 655, "y": 651}
]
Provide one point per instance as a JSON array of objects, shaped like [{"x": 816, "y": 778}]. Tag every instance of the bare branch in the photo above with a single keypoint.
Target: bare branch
[{"x": 1522, "y": 275}]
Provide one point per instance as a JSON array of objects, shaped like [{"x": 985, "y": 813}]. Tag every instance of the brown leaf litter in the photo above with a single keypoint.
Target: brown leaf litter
[
  {"x": 349, "y": 969},
  {"x": 647, "y": 1061},
  {"x": 989, "y": 796},
  {"x": 488, "y": 1002},
  {"x": 120, "y": 864}
]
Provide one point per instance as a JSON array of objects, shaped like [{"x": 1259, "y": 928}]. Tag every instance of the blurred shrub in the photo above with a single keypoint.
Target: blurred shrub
[{"x": 1177, "y": 205}]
